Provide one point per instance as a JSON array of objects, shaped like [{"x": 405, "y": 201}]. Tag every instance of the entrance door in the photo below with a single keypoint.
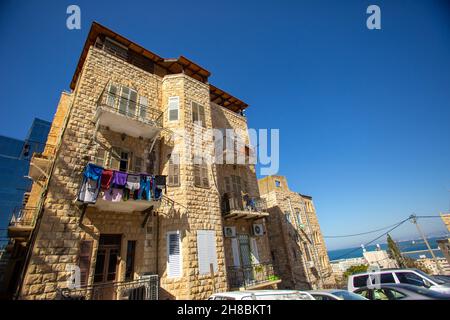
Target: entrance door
[
  {"x": 106, "y": 267},
  {"x": 246, "y": 257}
]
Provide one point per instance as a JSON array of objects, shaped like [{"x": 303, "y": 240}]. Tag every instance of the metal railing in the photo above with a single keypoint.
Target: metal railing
[
  {"x": 145, "y": 288},
  {"x": 234, "y": 201},
  {"x": 25, "y": 217},
  {"x": 250, "y": 276},
  {"x": 129, "y": 108}
]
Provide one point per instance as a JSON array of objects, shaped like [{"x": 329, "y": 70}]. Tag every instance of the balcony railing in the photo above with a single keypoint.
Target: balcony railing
[
  {"x": 145, "y": 288},
  {"x": 22, "y": 223},
  {"x": 40, "y": 164},
  {"x": 130, "y": 109},
  {"x": 25, "y": 217},
  {"x": 236, "y": 202},
  {"x": 252, "y": 277}
]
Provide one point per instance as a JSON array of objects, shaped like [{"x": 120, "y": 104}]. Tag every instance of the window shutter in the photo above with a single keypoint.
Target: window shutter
[
  {"x": 112, "y": 93},
  {"x": 174, "y": 170},
  {"x": 227, "y": 184},
  {"x": 206, "y": 251},
  {"x": 201, "y": 111},
  {"x": 143, "y": 106},
  {"x": 204, "y": 174},
  {"x": 174, "y": 262},
  {"x": 100, "y": 156},
  {"x": 254, "y": 250},
  {"x": 114, "y": 161},
  {"x": 195, "y": 116},
  {"x": 197, "y": 177},
  {"x": 235, "y": 251},
  {"x": 173, "y": 107},
  {"x": 84, "y": 261},
  {"x": 138, "y": 164},
  {"x": 132, "y": 101}
]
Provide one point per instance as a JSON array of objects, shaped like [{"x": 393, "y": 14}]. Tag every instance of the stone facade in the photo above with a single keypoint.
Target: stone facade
[
  {"x": 63, "y": 225},
  {"x": 297, "y": 245}
]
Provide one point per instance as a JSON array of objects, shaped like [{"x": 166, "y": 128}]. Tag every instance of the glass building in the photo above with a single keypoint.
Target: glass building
[{"x": 15, "y": 158}]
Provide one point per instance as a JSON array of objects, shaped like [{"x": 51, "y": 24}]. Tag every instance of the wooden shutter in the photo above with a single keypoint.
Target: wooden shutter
[
  {"x": 235, "y": 251},
  {"x": 112, "y": 93},
  {"x": 143, "y": 106},
  {"x": 174, "y": 170},
  {"x": 138, "y": 161},
  {"x": 195, "y": 116},
  {"x": 174, "y": 104},
  {"x": 84, "y": 261},
  {"x": 201, "y": 112},
  {"x": 206, "y": 251},
  {"x": 174, "y": 262},
  {"x": 198, "y": 114},
  {"x": 204, "y": 175},
  {"x": 100, "y": 156},
  {"x": 227, "y": 184},
  {"x": 197, "y": 175},
  {"x": 254, "y": 251}
]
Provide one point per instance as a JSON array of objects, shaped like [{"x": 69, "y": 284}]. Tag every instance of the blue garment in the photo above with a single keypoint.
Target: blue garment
[
  {"x": 93, "y": 172},
  {"x": 90, "y": 186},
  {"x": 144, "y": 189},
  {"x": 157, "y": 192}
]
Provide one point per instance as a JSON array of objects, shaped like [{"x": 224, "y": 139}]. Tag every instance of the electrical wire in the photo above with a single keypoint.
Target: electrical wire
[
  {"x": 360, "y": 234},
  {"x": 368, "y": 243}
]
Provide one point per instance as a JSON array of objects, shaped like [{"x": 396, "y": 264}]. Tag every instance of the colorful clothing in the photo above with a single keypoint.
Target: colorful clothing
[
  {"x": 119, "y": 179},
  {"x": 107, "y": 176}
]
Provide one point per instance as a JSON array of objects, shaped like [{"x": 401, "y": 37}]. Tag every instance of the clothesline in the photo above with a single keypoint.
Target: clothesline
[{"x": 116, "y": 185}]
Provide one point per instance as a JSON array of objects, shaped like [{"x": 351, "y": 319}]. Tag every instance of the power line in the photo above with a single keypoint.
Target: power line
[
  {"x": 368, "y": 243},
  {"x": 362, "y": 233}
]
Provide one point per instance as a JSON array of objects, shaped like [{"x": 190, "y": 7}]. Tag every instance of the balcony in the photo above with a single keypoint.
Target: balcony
[
  {"x": 40, "y": 166},
  {"x": 236, "y": 207},
  {"x": 252, "y": 277},
  {"x": 125, "y": 206},
  {"x": 127, "y": 116},
  {"x": 116, "y": 202},
  {"x": 22, "y": 223},
  {"x": 145, "y": 288}
]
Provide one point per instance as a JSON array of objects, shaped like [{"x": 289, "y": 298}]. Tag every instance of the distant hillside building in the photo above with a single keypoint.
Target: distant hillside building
[{"x": 297, "y": 245}]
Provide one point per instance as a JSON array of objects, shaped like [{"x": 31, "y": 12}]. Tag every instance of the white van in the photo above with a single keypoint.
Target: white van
[
  {"x": 263, "y": 295},
  {"x": 408, "y": 276}
]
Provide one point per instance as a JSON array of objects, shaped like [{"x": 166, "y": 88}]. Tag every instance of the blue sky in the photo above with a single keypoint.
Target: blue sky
[{"x": 363, "y": 115}]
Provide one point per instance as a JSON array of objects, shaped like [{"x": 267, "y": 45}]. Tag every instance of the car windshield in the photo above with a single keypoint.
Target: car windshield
[
  {"x": 348, "y": 295},
  {"x": 427, "y": 276}
]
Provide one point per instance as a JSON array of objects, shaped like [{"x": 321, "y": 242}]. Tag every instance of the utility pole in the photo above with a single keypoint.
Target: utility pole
[{"x": 413, "y": 219}]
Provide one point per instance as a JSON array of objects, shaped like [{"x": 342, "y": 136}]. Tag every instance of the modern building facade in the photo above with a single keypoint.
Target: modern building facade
[
  {"x": 132, "y": 113},
  {"x": 14, "y": 164},
  {"x": 297, "y": 246},
  {"x": 15, "y": 158}
]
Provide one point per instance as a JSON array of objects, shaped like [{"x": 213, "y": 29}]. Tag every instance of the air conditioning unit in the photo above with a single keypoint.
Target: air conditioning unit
[
  {"x": 229, "y": 232},
  {"x": 258, "y": 230}
]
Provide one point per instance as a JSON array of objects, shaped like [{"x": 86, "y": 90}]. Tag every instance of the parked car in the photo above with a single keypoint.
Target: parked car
[
  {"x": 263, "y": 295},
  {"x": 406, "y": 276},
  {"x": 400, "y": 292},
  {"x": 335, "y": 294}
]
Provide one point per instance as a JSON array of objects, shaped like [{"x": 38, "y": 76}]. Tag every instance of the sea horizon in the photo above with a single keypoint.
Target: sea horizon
[{"x": 404, "y": 245}]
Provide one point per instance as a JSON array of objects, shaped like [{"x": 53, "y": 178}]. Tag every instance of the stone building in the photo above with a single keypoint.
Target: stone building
[
  {"x": 446, "y": 219},
  {"x": 132, "y": 111},
  {"x": 297, "y": 247}
]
